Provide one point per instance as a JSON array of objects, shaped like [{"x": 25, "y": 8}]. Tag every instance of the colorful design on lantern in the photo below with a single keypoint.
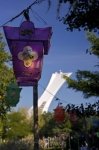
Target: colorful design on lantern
[{"x": 27, "y": 56}]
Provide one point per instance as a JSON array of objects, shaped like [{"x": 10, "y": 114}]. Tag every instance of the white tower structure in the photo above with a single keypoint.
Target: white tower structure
[{"x": 53, "y": 87}]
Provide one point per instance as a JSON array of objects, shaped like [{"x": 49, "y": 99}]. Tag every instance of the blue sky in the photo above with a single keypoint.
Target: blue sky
[{"x": 67, "y": 52}]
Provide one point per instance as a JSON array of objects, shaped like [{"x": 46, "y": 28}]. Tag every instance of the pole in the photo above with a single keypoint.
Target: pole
[{"x": 35, "y": 115}]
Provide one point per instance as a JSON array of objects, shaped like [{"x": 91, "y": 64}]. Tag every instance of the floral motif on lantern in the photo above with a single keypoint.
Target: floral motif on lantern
[{"x": 27, "y": 56}]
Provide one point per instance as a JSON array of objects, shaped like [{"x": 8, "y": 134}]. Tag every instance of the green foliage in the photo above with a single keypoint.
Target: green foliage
[
  {"x": 94, "y": 41},
  {"x": 5, "y": 70},
  {"x": 12, "y": 94},
  {"x": 77, "y": 14},
  {"x": 23, "y": 144},
  {"x": 81, "y": 14},
  {"x": 18, "y": 131},
  {"x": 86, "y": 81},
  {"x": 6, "y": 75},
  {"x": 4, "y": 55},
  {"x": 64, "y": 127},
  {"x": 46, "y": 124},
  {"x": 17, "y": 125}
]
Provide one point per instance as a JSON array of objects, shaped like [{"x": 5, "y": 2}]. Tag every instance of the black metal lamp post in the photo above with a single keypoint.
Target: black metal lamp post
[
  {"x": 35, "y": 115},
  {"x": 28, "y": 45}
]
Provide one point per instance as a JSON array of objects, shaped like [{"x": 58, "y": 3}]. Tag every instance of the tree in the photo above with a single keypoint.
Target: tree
[
  {"x": 46, "y": 123},
  {"x": 87, "y": 81},
  {"x": 79, "y": 14},
  {"x": 49, "y": 127},
  {"x": 17, "y": 124},
  {"x": 6, "y": 75}
]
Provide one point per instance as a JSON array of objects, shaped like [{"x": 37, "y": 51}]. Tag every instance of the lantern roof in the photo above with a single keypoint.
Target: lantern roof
[{"x": 28, "y": 32}]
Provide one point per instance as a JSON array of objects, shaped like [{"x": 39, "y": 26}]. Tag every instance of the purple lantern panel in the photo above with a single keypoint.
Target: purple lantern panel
[
  {"x": 28, "y": 45},
  {"x": 27, "y": 63}
]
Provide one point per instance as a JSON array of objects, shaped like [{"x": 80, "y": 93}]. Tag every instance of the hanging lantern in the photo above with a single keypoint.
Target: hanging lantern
[
  {"x": 59, "y": 114},
  {"x": 12, "y": 94},
  {"x": 28, "y": 45}
]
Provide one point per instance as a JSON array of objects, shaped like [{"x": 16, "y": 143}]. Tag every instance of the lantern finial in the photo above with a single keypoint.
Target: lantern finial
[{"x": 26, "y": 14}]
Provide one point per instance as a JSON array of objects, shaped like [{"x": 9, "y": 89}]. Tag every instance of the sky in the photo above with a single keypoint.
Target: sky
[{"x": 67, "y": 52}]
